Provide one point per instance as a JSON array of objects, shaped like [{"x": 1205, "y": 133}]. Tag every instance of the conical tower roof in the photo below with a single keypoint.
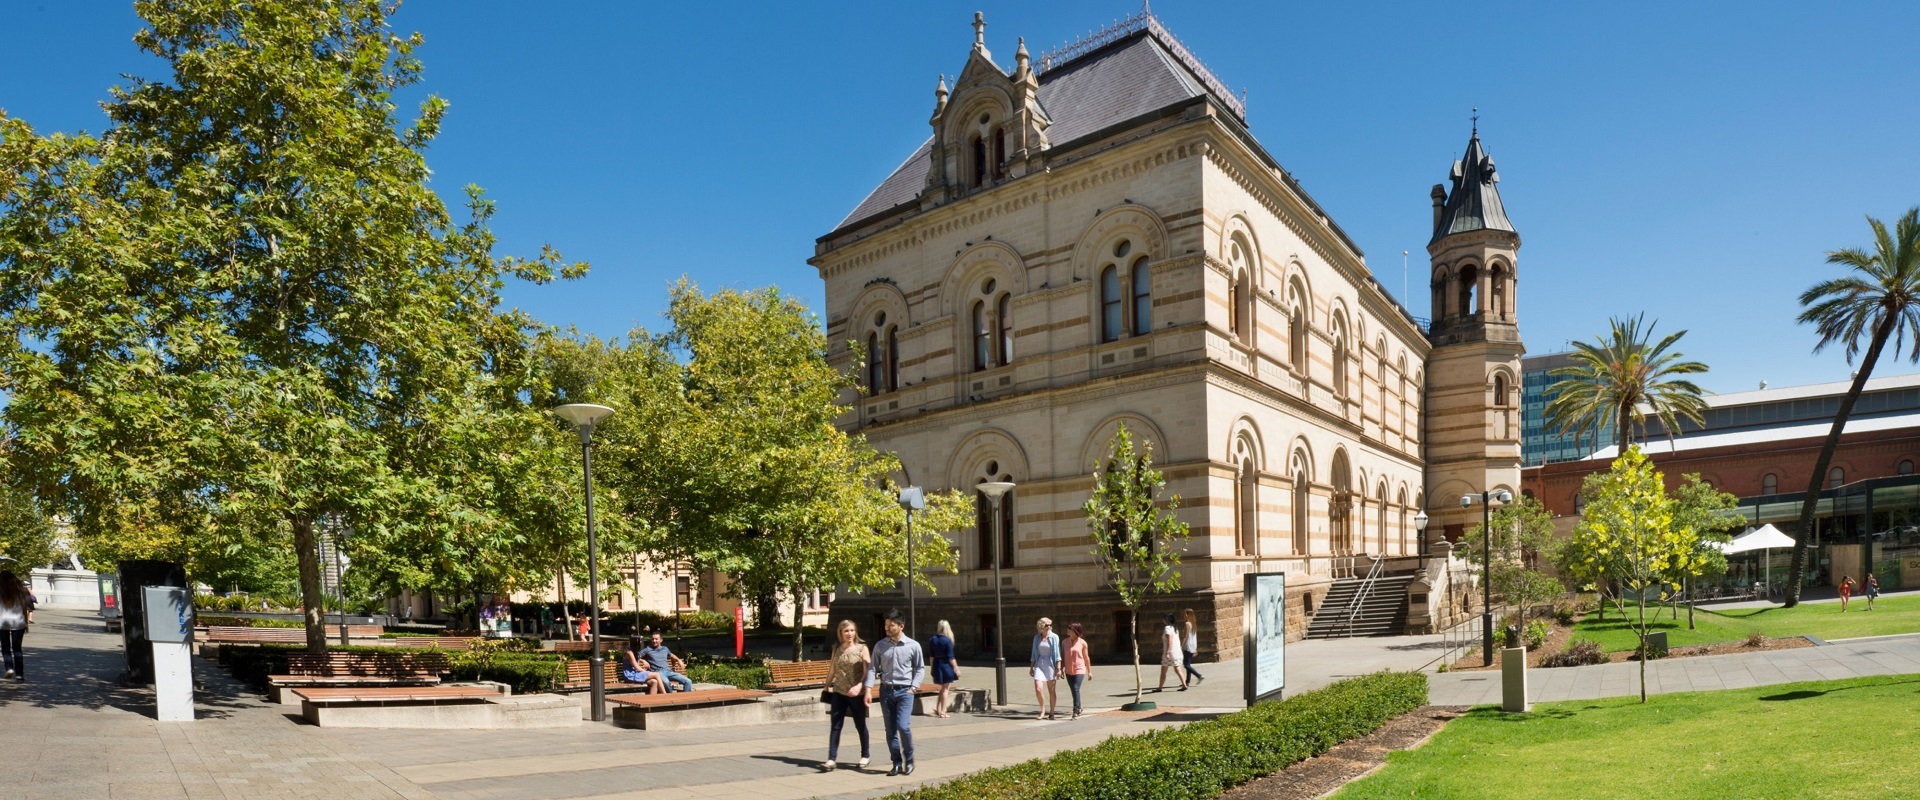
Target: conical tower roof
[{"x": 1473, "y": 204}]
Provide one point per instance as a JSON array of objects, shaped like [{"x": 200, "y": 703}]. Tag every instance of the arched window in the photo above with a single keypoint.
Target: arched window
[
  {"x": 982, "y": 337},
  {"x": 983, "y": 521},
  {"x": 1246, "y": 499},
  {"x": 1339, "y": 357},
  {"x": 1769, "y": 484},
  {"x": 1469, "y": 286},
  {"x": 1403, "y": 521},
  {"x": 1297, "y": 328},
  {"x": 1499, "y": 292},
  {"x": 1302, "y": 501},
  {"x": 1112, "y": 305},
  {"x": 1340, "y": 508},
  {"x": 1836, "y": 477},
  {"x": 979, "y": 148},
  {"x": 1500, "y": 391},
  {"x": 876, "y": 360},
  {"x": 893, "y": 357},
  {"x": 1579, "y": 504},
  {"x": 1380, "y": 520},
  {"x": 1142, "y": 298},
  {"x": 1003, "y": 314},
  {"x": 1243, "y": 307},
  {"x": 999, "y": 154},
  {"x": 1905, "y": 467}
]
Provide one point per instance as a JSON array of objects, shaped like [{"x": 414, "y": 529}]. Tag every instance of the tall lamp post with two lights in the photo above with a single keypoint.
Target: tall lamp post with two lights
[
  {"x": 1487, "y": 500},
  {"x": 995, "y": 492},
  {"x": 911, "y": 499},
  {"x": 584, "y": 416}
]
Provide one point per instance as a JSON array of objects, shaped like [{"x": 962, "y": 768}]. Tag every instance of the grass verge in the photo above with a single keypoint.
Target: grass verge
[
  {"x": 1850, "y": 739},
  {"x": 1891, "y": 615}
]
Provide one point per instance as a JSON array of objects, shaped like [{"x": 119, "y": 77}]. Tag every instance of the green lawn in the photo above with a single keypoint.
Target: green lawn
[
  {"x": 1891, "y": 615},
  {"x": 1853, "y": 739}
]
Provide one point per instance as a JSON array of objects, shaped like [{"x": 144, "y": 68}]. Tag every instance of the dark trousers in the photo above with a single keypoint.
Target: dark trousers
[
  {"x": 840, "y": 707},
  {"x": 10, "y": 654},
  {"x": 896, "y": 711},
  {"x": 1073, "y": 682},
  {"x": 1186, "y": 660}
]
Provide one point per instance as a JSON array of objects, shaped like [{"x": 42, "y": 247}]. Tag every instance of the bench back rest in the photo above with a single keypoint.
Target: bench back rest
[
  {"x": 798, "y": 671},
  {"x": 441, "y": 642},
  {"x": 375, "y": 665},
  {"x": 608, "y": 644},
  {"x": 581, "y": 671},
  {"x": 231, "y": 633}
]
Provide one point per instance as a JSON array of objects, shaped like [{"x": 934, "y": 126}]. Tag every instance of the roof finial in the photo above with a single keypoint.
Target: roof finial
[
  {"x": 1022, "y": 56},
  {"x": 979, "y": 30},
  {"x": 1146, "y": 7},
  {"x": 1476, "y": 120}
]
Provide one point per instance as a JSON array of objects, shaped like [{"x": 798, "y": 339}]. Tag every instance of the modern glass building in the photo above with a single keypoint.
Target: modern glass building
[{"x": 1539, "y": 444}]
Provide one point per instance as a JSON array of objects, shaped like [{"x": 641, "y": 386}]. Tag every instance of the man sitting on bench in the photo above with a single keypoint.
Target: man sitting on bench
[
  {"x": 633, "y": 670},
  {"x": 661, "y": 660}
]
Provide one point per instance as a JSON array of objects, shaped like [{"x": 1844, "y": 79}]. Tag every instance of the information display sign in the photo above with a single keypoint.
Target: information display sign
[{"x": 1264, "y": 613}]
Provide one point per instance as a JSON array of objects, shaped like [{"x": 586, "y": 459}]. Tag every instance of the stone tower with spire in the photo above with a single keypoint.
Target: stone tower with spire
[{"x": 1473, "y": 371}]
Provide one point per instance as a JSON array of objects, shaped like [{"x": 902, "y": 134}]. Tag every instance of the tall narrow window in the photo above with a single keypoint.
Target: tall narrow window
[
  {"x": 1142, "y": 298},
  {"x": 1340, "y": 362},
  {"x": 999, "y": 154},
  {"x": 893, "y": 358},
  {"x": 983, "y": 525},
  {"x": 979, "y": 162},
  {"x": 1469, "y": 286},
  {"x": 1403, "y": 521},
  {"x": 1297, "y": 335},
  {"x": 1836, "y": 477},
  {"x": 1499, "y": 292},
  {"x": 1004, "y": 316},
  {"x": 1905, "y": 467},
  {"x": 1381, "y": 521},
  {"x": 1246, "y": 499},
  {"x": 1302, "y": 498},
  {"x": 1112, "y": 306},
  {"x": 875, "y": 358},
  {"x": 1769, "y": 484},
  {"x": 982, "y": 337},
  {"x": 1500, "y": 391},
  {"x": 1006, "y": 529}
]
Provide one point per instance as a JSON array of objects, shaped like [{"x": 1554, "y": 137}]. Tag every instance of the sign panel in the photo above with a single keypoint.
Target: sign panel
[
  {"x": 169, "y": 614},
  {"x": 1264, "y": 613}
]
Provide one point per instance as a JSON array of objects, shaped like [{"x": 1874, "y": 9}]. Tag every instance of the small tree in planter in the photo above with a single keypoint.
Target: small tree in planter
[
  {"x": 1522, "y": 536},
  {"x": 1135, "y": 535}
]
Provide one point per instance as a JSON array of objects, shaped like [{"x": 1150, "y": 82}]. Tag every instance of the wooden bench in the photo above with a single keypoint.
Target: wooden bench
[
  {"x": 441, "y": 642},
  {"x": 682, "y": 710},
  {"x": 390, "y": 695},
  {"x": 606, "y": 644},
  {"x": 580, "y": 678},
  {"x": 237, "y": 634},
  {"x": 798, "y": 675},
  {"x": 336, "y": 669},
  {"x": 442, "y": 707}
]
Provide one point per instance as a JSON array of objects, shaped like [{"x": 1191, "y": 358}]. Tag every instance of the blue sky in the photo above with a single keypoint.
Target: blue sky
[{"x": 1694, "y": 161}]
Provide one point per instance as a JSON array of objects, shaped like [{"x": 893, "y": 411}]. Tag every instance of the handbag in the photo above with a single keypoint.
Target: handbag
[{"x": 826, "y": 696}]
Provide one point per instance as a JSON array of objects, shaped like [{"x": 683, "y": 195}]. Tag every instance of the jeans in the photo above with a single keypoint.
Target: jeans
[
  {"x": 671, "y": 679},
  {"x": 896, "y": 712},
  {"x": 1186, "y": 660},
  {"x": 1073, "y": 682},
  {"x": 10, "y": 655},
  {"x": 840, "y": 709}
]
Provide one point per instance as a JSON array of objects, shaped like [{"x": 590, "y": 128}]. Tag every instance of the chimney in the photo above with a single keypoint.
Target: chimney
[{"x": 1439, "y": 202}]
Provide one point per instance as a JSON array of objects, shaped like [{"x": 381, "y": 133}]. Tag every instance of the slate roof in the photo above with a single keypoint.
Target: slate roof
[
  {"x": 1474, "y": 203},
  {"x": 1127, "y": 79}
]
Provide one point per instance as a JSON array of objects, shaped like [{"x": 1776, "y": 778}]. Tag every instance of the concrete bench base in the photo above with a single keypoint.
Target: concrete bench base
[
  {"x": 491, "y": 713},
  {"x": 958, "y": 700},
  {"x": 783, "y": 707}
]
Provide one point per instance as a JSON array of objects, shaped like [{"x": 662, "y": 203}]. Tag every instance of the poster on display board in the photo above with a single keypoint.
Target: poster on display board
[{"x": 1264, "y": 610}]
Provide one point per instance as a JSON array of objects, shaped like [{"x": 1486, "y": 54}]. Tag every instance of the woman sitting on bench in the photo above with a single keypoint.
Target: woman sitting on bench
[{"x": 635, "y": 670}]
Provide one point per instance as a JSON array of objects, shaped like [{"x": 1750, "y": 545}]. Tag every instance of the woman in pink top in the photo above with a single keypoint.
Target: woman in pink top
[{"x": 1078, "y": 667}]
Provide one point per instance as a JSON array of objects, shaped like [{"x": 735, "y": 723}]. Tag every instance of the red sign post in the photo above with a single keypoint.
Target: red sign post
[{"x": 739, "y": 631}]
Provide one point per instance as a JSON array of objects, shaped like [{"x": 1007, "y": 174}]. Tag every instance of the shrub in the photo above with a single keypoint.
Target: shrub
[
  {"x": 1565, "y": 612},
  {"x": 1579, "y": 653},
  {"x": 527, "y": 673},
  {"x": 1756, "y": 639},
  {"x": 1536, "y": 634},
  {"x": 1202, "y": 758},
  {"x": 741, "y": 673}
]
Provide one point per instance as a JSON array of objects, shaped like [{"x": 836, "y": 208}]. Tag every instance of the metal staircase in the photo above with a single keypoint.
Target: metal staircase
[{"x": 1375, "y": 605}]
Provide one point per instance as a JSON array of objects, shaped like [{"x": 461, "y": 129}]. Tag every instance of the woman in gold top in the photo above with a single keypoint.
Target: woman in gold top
[{"x": 847, "y": 690}]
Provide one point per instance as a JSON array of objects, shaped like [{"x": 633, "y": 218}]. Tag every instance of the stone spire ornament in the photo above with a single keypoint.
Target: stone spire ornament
[{"x": 979, "y": 31}]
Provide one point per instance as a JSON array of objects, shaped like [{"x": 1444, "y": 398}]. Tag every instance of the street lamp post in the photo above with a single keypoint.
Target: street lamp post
[
  {"x": 1486, "y": 574},
  {"x": 584, "y": 416},
  {"x": 994, "y": 491},
  {"x": 911, "y": 499},
  {"x": 1420, "y": 520}
]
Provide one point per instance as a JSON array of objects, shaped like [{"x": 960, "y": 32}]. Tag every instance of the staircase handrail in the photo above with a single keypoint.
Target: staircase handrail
[{"x": 1360, "y": 596}]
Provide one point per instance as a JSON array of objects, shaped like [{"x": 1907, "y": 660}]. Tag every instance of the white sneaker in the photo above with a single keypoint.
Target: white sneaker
[
  {"x": 863, "y": 763},
  {"x": 826, "y": 766}
]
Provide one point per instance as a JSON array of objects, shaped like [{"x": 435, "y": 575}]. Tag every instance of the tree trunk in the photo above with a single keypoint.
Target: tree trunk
[
  {"x": 1644, "y": 651},
  {"x": 766, "y": 610},
  {"x": 310, "y": 592},
  {"x": 799, "y": 628},
  {"x": 566, "y": 617},
  {"x": 1689, "y": 585},
  {"x": 1798, "y": 565},
  {"x": 1133, "y": 634}
]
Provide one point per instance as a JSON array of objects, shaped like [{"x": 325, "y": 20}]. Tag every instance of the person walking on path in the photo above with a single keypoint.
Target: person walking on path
[
  {"x": 1077, "y": 665},
  {"x": 1170, "y": 655},
  {"x": 847, "y": 691},
  {"x": 1846, "y": 591},
  {"x": 1190, "y": 645},
  {"x": 945, "y": 667},
  {"x": 1045, "y": 657},
  {"x": 16, "y": 614},
  {"x": 1873, "y": 590},
  {"x": 898, "y": 666}
]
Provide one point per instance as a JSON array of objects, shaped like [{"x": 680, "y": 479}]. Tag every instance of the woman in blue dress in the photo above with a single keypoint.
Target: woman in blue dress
[{"x": 946, "y": 668}]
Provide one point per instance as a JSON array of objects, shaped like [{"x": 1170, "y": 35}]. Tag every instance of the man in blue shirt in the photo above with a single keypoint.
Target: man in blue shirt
[
  {"x": 898, "y": 666},
  {"x": 658, "y": 657}
]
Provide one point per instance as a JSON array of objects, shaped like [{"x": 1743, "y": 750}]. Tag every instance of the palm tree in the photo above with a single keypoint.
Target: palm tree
[
  {"x": 1882, "y": 294},
  {"x": 1620, "y": 379}
]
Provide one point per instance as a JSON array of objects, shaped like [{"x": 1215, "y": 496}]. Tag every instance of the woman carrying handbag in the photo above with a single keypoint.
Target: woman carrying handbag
[{"x": 846, "y": 692}]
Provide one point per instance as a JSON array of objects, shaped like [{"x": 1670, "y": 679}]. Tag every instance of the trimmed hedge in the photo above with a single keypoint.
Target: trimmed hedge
[
  {"x": 741, "y": 673},
  {"x": 252, "y": 663},
  {"x": 1201, "y": 759},
  {"x": 526, "y": 673},
  {"x": 247, "y": 622}
]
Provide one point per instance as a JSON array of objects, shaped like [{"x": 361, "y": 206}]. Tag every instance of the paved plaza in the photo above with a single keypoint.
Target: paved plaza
[{"x": 73, "y": 733}]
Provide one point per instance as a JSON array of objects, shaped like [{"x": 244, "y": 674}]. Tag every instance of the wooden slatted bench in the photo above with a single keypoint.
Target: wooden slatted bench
[
  {"x": 390, "y": 695},
  {"x": 580, "y": 678},
  {"x": 444, "y": 707},
  {"x": 798, "y": 675},
  {"x": 606, "y": 645},
  {"x": 233, "y": 634},
  {"x": 441, "y": 642},
  {"x": 681, "y": 709},
  {"x": 337, "y": 669}
]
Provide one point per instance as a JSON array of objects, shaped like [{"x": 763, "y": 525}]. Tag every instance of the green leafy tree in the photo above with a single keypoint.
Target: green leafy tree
[
  {"x": 1711, "y": 516},
  {"x": 1629, "y": 535},
  {"x": 1522, "y": 537},
  {"x": 26, "y": 533},
  {"x": 1880, "y": 297},
  {"x": 1136, "y": 538},
  {"x": 1622, "y": 377},
  {"x": 241, "y": 303}
]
